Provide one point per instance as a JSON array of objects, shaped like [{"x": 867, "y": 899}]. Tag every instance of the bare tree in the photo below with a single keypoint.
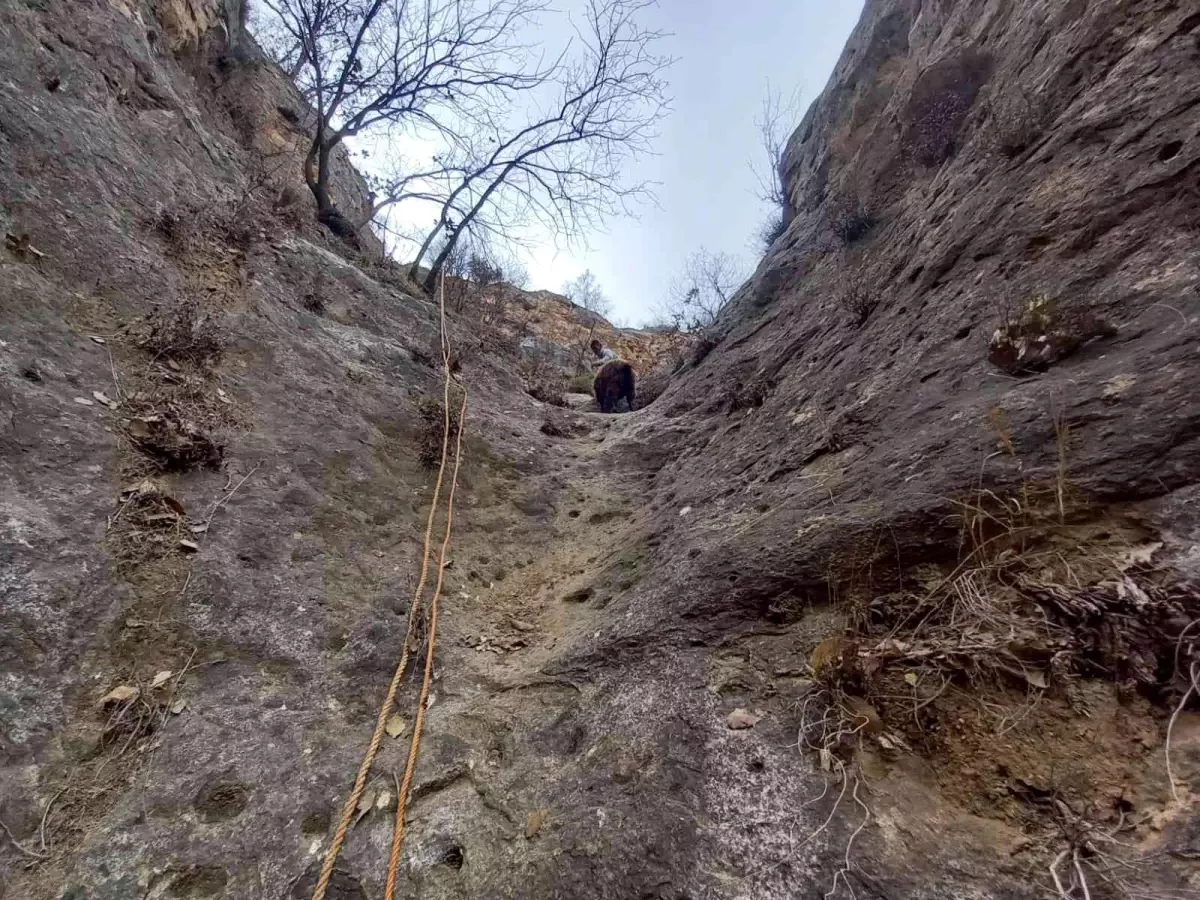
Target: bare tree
[
  {"x": 777, "y": 119},
  {"x": 563, "y": 167},
  {"x": 517, "y": 274},
  {"x": 407, "y": 65},
  {"x": 585, "y": 292},
  {"x": 697, "y": 296}
]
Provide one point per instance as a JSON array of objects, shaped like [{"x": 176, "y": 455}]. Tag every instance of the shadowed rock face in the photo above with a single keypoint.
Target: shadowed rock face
[{"x": 980, "y": 181}]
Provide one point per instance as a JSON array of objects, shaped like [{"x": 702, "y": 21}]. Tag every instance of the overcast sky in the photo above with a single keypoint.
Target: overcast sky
[{"x": 726, "y": 52}]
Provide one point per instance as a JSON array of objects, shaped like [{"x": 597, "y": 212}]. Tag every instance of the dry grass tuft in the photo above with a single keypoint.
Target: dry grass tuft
[
  {"x": 1040, "y": 597},
  {"x": 183, "y": 331},
  {"x": 174, "y": 444},
  {"x": 431, "y": 413},
  {"x": 148, "y": 525},
  {"x": 1040, "y": 331}
]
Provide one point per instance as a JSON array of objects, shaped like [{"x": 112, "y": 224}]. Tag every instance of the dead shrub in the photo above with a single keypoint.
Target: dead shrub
[
  {"x": 149, "y": 524},
  {"x": 431, "y": 416},
  {"x": 182, "y": 331},
  {"x": 855, "y": 293},
  {"x": 772, "y": 230},
  {"x": 131, "y": 717},
  {"x": 748, "y": 395},
  {"x": 314, "y": 302},
  {"x": 1039, "y": 331},
  {"x": 213, "y": 228},
  {"x": 172, "y": 444},
  {"x": 938, "y": 106},
  {"x": 1016, "y": 612},
  {"x": 849, "y": 219}
]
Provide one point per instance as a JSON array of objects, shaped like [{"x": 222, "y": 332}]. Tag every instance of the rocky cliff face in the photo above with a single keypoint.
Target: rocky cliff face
[
  {"x": 555, "y": 323},
  {"x": 890, "y": 595}
]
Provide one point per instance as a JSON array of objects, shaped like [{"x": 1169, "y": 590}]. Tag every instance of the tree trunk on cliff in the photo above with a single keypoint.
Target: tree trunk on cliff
[
  {"x": 406, "y": 65},
  {"x": 316, "y": 176}
]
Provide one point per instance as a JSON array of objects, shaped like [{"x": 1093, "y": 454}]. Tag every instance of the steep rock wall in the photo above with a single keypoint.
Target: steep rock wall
[
  {"x": 614, "y": 595},
  {"x": 969, "y": 164}
]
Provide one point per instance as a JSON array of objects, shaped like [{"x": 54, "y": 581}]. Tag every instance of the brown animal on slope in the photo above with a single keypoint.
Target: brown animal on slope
[{"x": 614, "y": 383}]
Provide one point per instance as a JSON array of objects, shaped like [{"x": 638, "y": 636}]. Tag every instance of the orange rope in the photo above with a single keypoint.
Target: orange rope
[
  {"x": 415, "y": 743},
  {"x": 364, "y": 770}
]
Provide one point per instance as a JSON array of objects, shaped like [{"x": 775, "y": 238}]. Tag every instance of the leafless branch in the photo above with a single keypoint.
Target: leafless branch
[
  {"x": 777, "y": 118},
  {"x": 563, "y": 166},
  {"x": 705, "y": 286},
  {"x": 400, "y": 66}
]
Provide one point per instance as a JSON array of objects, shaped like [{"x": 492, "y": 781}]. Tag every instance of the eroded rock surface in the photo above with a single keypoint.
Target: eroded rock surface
[{"x": 619, "y": 585}]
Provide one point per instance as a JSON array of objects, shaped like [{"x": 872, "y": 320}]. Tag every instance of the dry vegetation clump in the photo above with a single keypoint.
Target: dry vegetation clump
[
  {"x": 1035, "y": 603},
  {"x": 850, "y": 219},
  {"x": 431, "y": 416},
  {"x": 149, "y": 524},
  {"x": 749, "y": 394},
  {"x": 221, "y": 227},
  {"x": 171, "y": 414},
  {"x": 855, "y": 293},
  {"x": 772, "y": 230},
  {"x": 939, "y": 104},
  {"x": 173, "y": 444},
  {"x": 989, "y": 665},
  {"x": 1039, "y": 331},
  {"x": 133, "y": 713},
  {"x": 182, "y": 331}
]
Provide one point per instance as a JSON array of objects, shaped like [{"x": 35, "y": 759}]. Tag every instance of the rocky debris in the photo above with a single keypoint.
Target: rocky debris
[
  {"x": 740, "y": 719},
  {"x": 559, "y": 331}
]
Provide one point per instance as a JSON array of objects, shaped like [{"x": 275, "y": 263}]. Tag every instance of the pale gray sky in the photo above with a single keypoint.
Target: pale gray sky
[{"x": 726, "y": 53}]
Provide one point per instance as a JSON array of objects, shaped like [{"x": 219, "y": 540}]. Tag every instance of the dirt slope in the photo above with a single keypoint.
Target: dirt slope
[{"x": 952, "y": 603}]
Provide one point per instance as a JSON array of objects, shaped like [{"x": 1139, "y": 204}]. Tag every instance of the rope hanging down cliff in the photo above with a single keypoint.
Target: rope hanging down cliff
[{"x": 415, "y": 608}]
